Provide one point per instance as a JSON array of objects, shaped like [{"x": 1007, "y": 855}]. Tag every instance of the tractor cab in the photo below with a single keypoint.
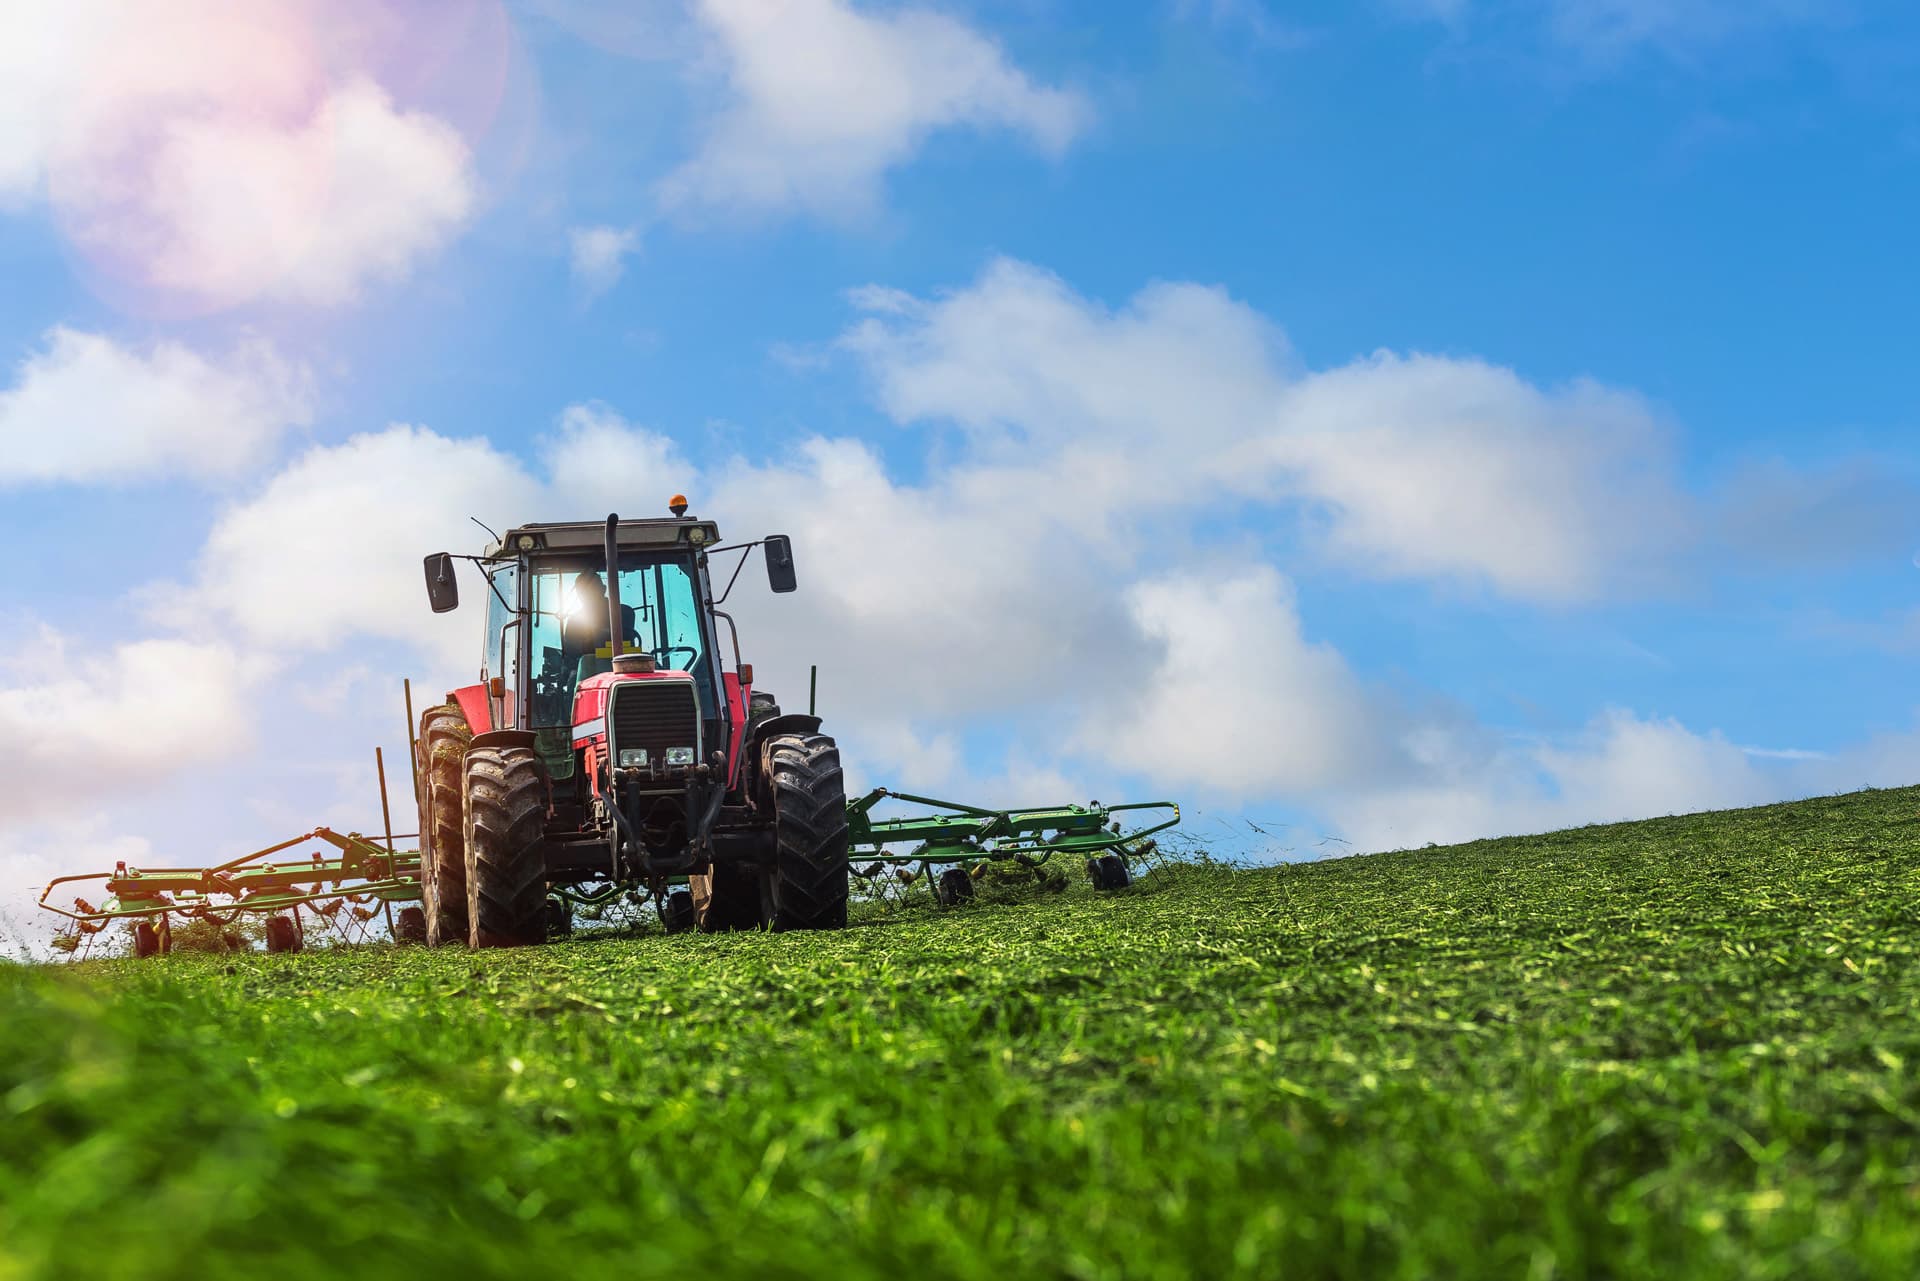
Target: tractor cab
[{"x": 552, "y": 617}]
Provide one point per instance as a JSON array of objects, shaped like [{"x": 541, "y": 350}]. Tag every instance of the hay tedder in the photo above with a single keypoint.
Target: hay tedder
[{"x": 610, "y": 751}]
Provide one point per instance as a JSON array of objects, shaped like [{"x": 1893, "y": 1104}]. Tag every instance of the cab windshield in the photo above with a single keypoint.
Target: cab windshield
[{"x": 571, "y": 637}]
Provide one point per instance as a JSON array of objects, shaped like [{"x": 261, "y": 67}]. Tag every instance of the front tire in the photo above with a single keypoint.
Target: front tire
[
  {"x": 440, "y": 766},
  {"x": 506, "y": 795},
  {"x": 806, "y": 888}
]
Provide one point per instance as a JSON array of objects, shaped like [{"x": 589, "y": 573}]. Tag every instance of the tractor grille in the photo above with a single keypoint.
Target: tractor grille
[{"x": 655, "y": 715}]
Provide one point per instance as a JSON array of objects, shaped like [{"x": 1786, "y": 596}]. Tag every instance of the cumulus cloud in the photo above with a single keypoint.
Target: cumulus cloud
[
  {"x": 598, "y": 255},
  {"x": 1238, "y": 699},
  {"x": 85, "y": 408},
  {"x": 221, "y": 152},
  {"x": 822, "y": 98},
  {"x": 71, "y": 719},
  {"x": 1473, "y": 783},
  {"x": 328, "y": 549},
  {"x": 1427, "y": 466},
  {"x": 1409, "y": 466},
  {"x": 33, "y": 853}
]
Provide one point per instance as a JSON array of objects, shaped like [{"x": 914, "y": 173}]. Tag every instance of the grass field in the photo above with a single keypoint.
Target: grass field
[{"x": 1680, "y": 1049}]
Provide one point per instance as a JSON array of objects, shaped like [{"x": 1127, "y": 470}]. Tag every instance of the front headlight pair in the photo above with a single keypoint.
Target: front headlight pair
[{"x": 636, "y": 757}]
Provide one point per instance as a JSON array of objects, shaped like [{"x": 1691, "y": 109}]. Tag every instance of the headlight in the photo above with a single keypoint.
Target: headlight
[
  {"x": 679, "y": 756},
  {"x": 637, "y": 756}
]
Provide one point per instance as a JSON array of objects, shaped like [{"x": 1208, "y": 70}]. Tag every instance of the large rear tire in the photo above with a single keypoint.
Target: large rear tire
[
  {"x": 806, "y": 888},
  {"x": 439, "y": 765},
  {"x": 506, "y": 797}
]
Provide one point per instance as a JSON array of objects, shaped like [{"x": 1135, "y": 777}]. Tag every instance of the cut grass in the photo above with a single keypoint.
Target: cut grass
[{"x": 1681, "y": 1048}]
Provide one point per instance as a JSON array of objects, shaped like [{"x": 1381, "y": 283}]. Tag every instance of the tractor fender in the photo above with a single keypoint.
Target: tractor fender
[
  {"x": 790, "y": 723},
  {"x": 475, "y": 705},
  {"x": 503, "y": 738}
]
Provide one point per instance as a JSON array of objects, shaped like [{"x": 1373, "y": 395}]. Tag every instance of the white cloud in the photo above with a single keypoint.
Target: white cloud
[
  {"x": 88, "y": 409},
  {"x": 823, "y": 98},
  {"x": 32, "y": 854},
  {"x": 72, "y": 722},
  {"x": 598, "y": 255},
  {"x": 1434, "y": 467},
  {"x": 1418, "y": 466},
  {"x": 330, "y": 547},
  {"x": 1472, "y": 783},
  {"x": 223, "y": 153},
  {"x": 1240, "y": 701},
  {"x": 942, "y": 600}
]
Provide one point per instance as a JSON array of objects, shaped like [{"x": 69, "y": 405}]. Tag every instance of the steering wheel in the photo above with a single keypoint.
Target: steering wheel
[{"x": 693, "y": 656}]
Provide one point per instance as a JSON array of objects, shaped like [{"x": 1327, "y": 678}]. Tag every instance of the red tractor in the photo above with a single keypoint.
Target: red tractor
[{"x": 610, "y": 744}]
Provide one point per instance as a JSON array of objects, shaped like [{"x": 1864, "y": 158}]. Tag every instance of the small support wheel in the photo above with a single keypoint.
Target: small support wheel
[
  {"x": 283, "y": 935},
  {"x": 726, "y": 897},
  {"x": 559, "y": 918},
  {"x": 1108, "y": 872},
  {"x": 676, "y": 914},
  {"x": 953, "y": 888},
  {"x": 411, "y": 925},
  {"x": 147, "y": 941}
]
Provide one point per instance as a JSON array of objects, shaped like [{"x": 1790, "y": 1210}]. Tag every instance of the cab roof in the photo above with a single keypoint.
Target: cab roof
[{"x": 658, "y": 533}]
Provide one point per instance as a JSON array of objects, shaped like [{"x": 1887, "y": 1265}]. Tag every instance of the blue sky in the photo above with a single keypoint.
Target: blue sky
[{"x": 1403, "y": 420}]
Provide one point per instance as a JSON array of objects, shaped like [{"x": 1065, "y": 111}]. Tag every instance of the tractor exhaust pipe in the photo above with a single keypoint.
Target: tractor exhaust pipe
[{"x": 615, "y": 628}]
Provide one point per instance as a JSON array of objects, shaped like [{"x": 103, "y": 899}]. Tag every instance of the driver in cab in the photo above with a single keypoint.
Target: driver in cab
[{"x": 586, "y": 630}]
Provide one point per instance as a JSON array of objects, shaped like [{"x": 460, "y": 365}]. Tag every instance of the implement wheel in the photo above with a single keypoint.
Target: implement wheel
[
  {"x": 676, "y": 914},
  {"x": 147, "y": 941},
  {"x": 953, "y": 888},
  {"x": 410, "y": 926},
  {"x": 506, "y": 809},
  {"x": 1108, "y": 872},
  {"x": 806, "y": 888},
  {"x": 438, "y": 758},
  {"x": 725, "y": 897},
  {"x": 282, "y": 934}
]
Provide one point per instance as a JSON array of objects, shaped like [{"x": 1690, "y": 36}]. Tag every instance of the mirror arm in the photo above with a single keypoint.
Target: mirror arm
[
  {"x": 743, "y": 549},
  {"x": 498, "y": 595}
]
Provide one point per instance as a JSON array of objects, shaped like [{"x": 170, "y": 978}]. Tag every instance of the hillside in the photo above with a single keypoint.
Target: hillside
[{"x": 1680, "y": 1048}]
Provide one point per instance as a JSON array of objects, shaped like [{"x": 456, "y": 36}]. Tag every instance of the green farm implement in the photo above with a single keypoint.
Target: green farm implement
[
  {"x": 347, "y": 881},
  {"x": 614, "y": 747}
]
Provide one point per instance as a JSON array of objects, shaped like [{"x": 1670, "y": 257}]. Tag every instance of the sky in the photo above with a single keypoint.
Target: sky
[{"x": 1371, "y": 424}]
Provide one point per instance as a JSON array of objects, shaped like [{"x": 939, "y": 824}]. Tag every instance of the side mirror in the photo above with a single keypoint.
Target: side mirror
[
  {"x": 443, "y": 593},
  {"x": 780, "y": 563}
]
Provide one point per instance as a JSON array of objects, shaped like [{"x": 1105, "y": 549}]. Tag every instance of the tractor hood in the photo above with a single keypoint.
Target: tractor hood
[{"x": 591, "y": 699}]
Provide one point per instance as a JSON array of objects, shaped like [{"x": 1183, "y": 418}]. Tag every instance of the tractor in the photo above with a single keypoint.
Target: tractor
[
  {"x": 610, "y": 741},
  {"x": 613, "y": 746}
]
